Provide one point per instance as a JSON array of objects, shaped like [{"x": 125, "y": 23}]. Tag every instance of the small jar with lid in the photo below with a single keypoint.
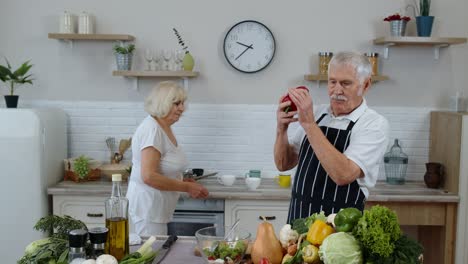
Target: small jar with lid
[
  {"x": 374, "y": 60},
  {"x": 324, "y": 60},
  {"x": 77, "y": 241},
  {"x": 97, "y": 237}
]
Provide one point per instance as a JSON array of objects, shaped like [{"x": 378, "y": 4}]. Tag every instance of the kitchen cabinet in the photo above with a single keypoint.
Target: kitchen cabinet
[
  {"x": 449, "y": 146},
  {"x": 89, "y": 209},
  {"x": 249, "y": 211},
  {"x": 435, "y": 42}
]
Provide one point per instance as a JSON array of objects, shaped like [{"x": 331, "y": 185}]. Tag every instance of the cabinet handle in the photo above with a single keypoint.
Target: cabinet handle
[
  {"x": 94, "y": 215},
  {"x": 269, "y": 218}
]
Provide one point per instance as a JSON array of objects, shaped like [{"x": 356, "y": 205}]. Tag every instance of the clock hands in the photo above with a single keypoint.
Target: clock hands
[
  {"x": 246, "y": 49},
  {"x": 245, "y": 45}
]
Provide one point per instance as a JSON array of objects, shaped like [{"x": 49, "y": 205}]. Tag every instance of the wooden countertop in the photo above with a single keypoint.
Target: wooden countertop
[{"x": 269, "y": 190}]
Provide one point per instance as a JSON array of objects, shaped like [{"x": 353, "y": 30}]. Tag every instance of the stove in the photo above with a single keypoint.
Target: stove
[{"x": 193, "y": 214}]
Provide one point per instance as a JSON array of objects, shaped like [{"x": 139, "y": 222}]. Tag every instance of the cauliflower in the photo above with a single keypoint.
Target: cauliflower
[{"x": 287, "y": 236}]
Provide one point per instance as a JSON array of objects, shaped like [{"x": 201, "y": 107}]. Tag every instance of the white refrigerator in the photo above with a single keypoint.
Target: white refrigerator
[{"x": 33, "y": 144}]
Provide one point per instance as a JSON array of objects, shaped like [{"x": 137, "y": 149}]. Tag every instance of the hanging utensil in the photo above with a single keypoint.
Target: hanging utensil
[{"x": 110, "y": 142}]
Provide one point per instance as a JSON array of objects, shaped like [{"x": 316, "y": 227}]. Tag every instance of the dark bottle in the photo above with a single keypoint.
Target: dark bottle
[
  {"x": 98, "y": 238},
  {"x": 77, "y": 241},
  {"x": 117, "y": 243}
]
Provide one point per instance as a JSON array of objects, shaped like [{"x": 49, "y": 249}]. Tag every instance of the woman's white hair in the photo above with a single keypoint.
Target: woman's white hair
[
  {"x": 359, "y": 62},
  {"x": 161, "y": 98}
]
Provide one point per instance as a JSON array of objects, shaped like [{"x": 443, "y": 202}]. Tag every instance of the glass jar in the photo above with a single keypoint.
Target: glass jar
[
  {"x": 374, "y": 61},
  {"x": 77, "y": 243},
  {"x": 324, "y": 60},
  {"x": 396, "y": 162}
]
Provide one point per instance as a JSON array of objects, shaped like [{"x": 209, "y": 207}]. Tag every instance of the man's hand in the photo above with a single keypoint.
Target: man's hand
[
  {"x": 305, "y": 108},
  {"x": 284, "y": 119}
]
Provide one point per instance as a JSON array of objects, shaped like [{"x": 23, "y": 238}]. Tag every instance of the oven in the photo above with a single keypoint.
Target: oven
[{"x": 193, "y": 214}]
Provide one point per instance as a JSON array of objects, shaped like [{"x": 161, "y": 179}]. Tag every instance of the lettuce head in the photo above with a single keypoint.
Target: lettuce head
[{"x": 340, "y": 248}]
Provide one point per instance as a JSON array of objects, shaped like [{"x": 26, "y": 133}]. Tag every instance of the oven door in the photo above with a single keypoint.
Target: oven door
[{"x": 186, "y": 223}]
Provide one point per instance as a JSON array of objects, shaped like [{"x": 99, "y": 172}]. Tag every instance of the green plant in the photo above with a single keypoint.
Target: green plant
[
  {"x": 81, "y": 166},
  {"x": 15, "y": 77},
  {"x": 424, "y": 7},
  {"x": 124, "y": 48},
  {"x": 181, "y": 41}
]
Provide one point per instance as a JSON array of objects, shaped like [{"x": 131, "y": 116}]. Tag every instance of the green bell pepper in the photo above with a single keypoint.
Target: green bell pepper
[{"x": 346, "y": 219}]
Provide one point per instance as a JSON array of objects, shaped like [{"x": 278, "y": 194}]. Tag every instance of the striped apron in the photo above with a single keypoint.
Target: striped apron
[{"x": 313, "y": 190}]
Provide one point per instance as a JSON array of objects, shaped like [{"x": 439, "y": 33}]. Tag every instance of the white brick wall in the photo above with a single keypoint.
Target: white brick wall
[{"x": 225, "y": 138}]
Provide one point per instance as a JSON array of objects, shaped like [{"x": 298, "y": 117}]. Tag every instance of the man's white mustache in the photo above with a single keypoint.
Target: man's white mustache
[{"x": 339, "y": 97}]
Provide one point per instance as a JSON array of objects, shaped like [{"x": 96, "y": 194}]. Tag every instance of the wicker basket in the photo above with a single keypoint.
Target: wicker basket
[{"x": 94, "y": 173}]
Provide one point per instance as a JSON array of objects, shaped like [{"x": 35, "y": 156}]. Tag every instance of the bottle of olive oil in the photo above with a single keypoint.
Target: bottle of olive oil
[{"x": 117, "y": 243}]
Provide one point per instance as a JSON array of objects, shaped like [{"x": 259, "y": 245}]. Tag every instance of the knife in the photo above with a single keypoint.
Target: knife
[{"x": 164, "y": 249}]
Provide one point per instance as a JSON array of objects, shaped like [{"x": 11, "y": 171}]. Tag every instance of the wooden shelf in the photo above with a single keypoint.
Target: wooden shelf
[
  {"x": 105, "y": 37},
  {"x": 184, "y": 75},
  {"x": 435, "y": 42},
  {"x": 175, "y": 74},
  {"x": 324, "y": 77},
  {"x": 430, "y": 41}
]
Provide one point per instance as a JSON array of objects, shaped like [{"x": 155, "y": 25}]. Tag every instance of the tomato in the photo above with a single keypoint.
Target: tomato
[{"x": 264, "y": 261}]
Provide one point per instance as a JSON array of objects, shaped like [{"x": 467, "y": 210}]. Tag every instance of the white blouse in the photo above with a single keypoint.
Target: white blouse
[{"x": 145, "y": 202}]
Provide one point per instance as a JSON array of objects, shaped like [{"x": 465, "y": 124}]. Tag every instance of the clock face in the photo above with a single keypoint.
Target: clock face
[{"x": 249, "y": 46}]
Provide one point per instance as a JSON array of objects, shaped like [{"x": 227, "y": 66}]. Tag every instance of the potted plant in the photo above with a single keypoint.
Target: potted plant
[
  {"x": 397, "y": 24},
  {"x": 124, "y": 56},
  {"x": 424, "y": 21},
  {"x": 14, "y": 78},
  {"x": 188, "y": 62}
]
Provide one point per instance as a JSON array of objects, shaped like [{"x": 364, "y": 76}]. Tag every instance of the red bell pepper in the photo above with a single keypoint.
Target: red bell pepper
[{"x": 293, "y": 106}]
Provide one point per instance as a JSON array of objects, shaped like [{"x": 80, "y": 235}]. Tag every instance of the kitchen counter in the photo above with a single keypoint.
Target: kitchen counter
[
  {"x": 269, "y": 190},
  {"x": 432, "y": 211}
]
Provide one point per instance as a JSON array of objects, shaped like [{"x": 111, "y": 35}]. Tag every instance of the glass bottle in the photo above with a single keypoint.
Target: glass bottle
[
  {"x": 117, "y": 243},
  {"x": 77, "y": 243},
  {"x": 395, "y": 162}
]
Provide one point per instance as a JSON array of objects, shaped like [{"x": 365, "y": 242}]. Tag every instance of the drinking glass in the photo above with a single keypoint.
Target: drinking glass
[
  {"x": 167, "y": 55},
  {"x": 179, "y": 58},
  {"x": 148, "y": 58},
  {"x": 157, "y": 59}
]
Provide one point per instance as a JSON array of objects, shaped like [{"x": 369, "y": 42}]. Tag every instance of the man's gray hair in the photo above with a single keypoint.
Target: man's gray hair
[
  {"x": 359, "y": 62},
  {"x": 161, "y": 98}
]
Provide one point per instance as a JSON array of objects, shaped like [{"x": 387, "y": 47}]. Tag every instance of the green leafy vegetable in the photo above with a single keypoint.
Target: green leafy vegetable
[
  {"x": 407, "y": 251},
  {"x": 59, "y": 226},
  {"x": 377, "y": 230},
  {"x": 340, "y": 248},
  {"x": 46, "y": 250}
]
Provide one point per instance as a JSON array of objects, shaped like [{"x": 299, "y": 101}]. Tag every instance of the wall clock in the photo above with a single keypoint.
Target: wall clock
[{"x": 249, "y": 46}]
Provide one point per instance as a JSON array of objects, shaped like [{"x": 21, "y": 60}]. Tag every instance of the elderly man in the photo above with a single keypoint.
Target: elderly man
[{"x": 338, "y": 147}]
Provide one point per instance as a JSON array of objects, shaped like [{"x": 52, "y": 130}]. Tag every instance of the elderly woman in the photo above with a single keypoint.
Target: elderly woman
[{"x": 158, "y": 162}]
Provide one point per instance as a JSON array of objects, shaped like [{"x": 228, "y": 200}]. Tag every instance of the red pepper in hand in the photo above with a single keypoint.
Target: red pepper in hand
[{"x": 293, "y": 106}]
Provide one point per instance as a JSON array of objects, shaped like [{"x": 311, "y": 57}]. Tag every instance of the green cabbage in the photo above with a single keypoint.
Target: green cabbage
[{"x": 340, "y": 248}]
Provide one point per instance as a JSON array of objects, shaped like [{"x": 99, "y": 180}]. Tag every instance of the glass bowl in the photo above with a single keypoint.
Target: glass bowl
[{"x": 217, "y": 250}]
